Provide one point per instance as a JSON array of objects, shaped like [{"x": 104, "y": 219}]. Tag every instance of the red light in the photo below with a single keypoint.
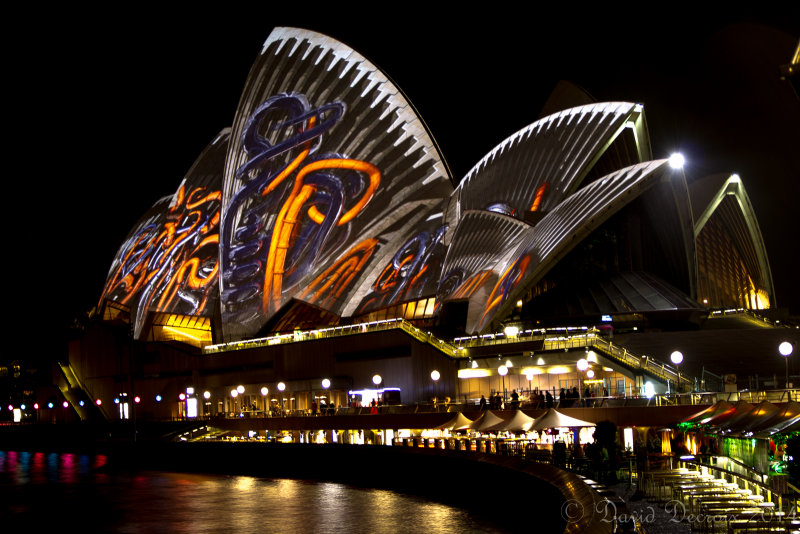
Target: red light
[
  {"x": 182, "y": 396},
  {"x": 35, "y": 405},
  {"x": 65, "y": 404},
  {"x": 98, "y": 402},
  {"x": 137, "y": 399}
]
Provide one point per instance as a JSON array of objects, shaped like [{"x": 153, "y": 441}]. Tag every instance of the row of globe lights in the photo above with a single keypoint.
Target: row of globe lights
[
  {"x": 785, "y": 349},
  {"x": 239, "y": 390},
  {"x": 36, "y": 406}
]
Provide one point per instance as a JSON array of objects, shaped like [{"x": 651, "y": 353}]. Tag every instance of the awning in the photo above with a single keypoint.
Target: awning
[
  {"x": 459, "y": 422},
  {"x": 760, "y": 412},
  {"x": 519, "y": 423},
  {"x": 782, "y": 421},
  {"x": 485, "y": 421},
  {"x": 555, "y": 419},
  {"x": 707, "y": 416}
]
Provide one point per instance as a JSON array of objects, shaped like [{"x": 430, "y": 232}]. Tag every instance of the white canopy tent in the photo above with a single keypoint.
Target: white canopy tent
[
  {"x": 555, "y": 419},
  {"x": 459, "y": 422},
  {"x": 521, "y": 422},
  {"x": 486, "y": 421}
]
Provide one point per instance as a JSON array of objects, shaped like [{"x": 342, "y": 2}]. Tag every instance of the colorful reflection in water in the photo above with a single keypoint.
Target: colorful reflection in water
[{"x": 49, "y": 490}]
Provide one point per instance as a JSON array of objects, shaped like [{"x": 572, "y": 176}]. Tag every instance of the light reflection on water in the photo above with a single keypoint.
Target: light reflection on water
[{"x": 56, "y": 490}]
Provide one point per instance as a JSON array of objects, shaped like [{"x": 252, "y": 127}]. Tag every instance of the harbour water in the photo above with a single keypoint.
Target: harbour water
[{"x": 79, "y": 491}]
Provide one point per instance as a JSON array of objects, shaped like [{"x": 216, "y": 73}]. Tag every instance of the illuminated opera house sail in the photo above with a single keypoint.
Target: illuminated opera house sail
[{"x": 328, "y": 202}]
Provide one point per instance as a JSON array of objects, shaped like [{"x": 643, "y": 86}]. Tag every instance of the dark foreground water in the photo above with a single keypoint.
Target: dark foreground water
[{"x": 77, "y": 492}]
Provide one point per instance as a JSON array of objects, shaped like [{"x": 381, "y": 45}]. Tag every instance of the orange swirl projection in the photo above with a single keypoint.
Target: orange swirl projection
[
  {"x": 362, "y": 166},
  {"x": 163, "y": 264},
  {"x": 330, "y": 285},
  {"x": 284, "y": 230},
  {"x": 469, "y": 287},
  {"x": 505, "y": 285},
  {"x": 292, "y": 165},
  {"x": 537, "y": 197}
]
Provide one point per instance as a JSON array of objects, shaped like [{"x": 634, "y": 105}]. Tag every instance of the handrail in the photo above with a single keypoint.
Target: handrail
[
  {"x": 661, "y": 370},
  {"x": 338, "y": 331},
  {"x": 552, "y": 339}
]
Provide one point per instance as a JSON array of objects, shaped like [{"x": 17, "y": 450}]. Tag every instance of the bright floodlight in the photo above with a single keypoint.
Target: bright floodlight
[
  {"x": 281, "y": 386},
  {"x": 582, "y": 365},
  {"x": 240, "y": 389},
  {"x": 785, "y": 349},
  {"x": 377, "y": 380},
  {"x": 676, "y": 357},
  {"x": 435, "y": 375},
  {"x": 234, "y": 393},
  {"x": 676, "y": 160},
  {"x": 503, "y": 370},
  {"x": 206, "y": 395},
  {"x": 264, "y": 391},
  {"x": 511, "y": 331},
  {"x": 649, "y": 389},
  {"x": 326, "y": 383},
  {"x": 590, "y": 373}
]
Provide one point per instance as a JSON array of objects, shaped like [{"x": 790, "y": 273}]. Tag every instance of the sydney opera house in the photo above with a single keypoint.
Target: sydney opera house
[{"x": 322, "y": 238}]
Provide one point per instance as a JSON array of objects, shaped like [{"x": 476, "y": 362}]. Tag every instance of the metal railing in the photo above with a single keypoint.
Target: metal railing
[
  {"x": 658, "y": 369},
  {"x": 552, "y": 339},
  {"x": 337, "y": 331}
]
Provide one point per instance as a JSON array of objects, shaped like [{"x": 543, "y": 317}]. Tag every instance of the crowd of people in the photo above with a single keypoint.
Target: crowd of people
[{"x": 567, "y": 398}]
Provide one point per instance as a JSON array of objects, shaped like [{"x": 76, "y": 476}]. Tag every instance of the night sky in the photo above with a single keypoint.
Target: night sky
[{"x": 108, "y": 116}]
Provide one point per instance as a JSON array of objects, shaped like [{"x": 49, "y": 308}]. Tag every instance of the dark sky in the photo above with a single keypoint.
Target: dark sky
[{"x": 109, "y": 114}]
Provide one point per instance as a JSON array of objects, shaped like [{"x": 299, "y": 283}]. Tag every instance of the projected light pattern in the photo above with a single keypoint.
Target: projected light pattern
[
  {"x": 170, "y": 261},
  {"x": 324, "y": 181},
  {"x": 413, "y": 272},
  {"x": 565, "y": 226},
  {"x": 314, "y": 194},
  {"x": 328, "y": 193}
]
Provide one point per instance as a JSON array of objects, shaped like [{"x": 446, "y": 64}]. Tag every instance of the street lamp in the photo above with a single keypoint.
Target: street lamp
[
  {"x": 282, "y": 388},
  {"x": 786, "y": 350},
  {"x": 435, "y": 377},
  {"x": 377, "y": 380},
  {"x": 677, "y": 358},
  {"x": 326, "y": 383},
  {"x": 234, "y": 394},
  {"x": 503, "y": 370},
  {"x": 582, "y": 366}
]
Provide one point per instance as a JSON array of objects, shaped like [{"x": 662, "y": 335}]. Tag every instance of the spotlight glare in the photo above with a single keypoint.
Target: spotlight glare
[{"x": 676, "y": 160}]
